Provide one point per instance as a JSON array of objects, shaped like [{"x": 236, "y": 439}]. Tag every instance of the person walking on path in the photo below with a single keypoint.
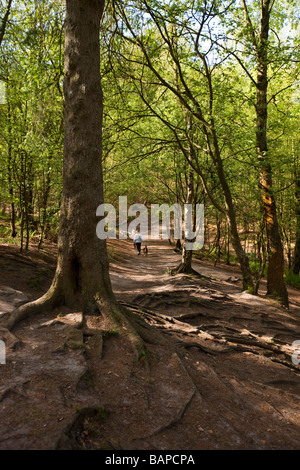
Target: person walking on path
[{"x": 138, "y": 239}]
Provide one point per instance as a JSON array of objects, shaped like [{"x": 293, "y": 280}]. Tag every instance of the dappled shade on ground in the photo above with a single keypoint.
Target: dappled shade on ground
[{"x": 222, "y": 379}]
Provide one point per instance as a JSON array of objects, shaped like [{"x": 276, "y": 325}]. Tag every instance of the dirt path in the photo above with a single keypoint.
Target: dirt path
[
  {"x": 151, "y": 271},
  {"x": 223, "y": 379}
]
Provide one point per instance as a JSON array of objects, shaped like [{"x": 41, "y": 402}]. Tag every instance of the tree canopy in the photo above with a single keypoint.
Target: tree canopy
[{"x": 183, "y": 108}]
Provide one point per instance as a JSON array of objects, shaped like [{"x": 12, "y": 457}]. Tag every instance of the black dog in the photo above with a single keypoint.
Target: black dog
[{"x": 145, "y": 250}]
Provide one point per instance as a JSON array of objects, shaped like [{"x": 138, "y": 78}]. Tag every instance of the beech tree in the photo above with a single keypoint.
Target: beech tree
[
  {"x": 296, "y": 263},
  {"x": 182, "y": 86},
  {"x": 259, "y": 38},
  {"x": 275, "y": 281}
]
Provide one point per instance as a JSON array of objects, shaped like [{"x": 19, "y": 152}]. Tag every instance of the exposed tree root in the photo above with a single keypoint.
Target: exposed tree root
[
  {"x": 117, "y": 315},
  {"x": 11, "y": 341},
  {"x": 288, "y": 364},
  {"x": 186, "y": 403},
  {"x": 151, "y": 315},
  {"x": 46, "y": 303},
  {"x": 241, "y": 339},
  {"x": 144, "y": 326},
  {"x": 184, "y": 269},
  {"x": 18, "y": 389},
  {"x": 174, "y": 420},
  {"x": 193, "y": 344},
  {"x": 189, "y": 316},
  {"x": 135, "y": 328},
  {"x": 69, "y": 438},
  {"x": 229, "y": 336}
]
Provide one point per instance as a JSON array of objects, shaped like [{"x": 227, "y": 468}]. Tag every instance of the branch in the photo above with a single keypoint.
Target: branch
[
  {"x": 280, "y": 91},
  {"x": 196, "y": 167},
  {"x": 4, "y": 22},
  {"x": 271, "y": 6},
  {"x": 249, "y": 22},
  {"x": 136, "y": 41}
]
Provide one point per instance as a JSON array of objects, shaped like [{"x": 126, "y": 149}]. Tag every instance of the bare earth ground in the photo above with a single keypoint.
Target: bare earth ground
[{"x": 222, "y": 379}]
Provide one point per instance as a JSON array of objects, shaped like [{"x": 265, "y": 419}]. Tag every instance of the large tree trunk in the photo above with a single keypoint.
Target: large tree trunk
[
  {"x": 275, "y": 280},
  {"x": 82, "y": 268},
  {"x": 82, "y": 278}
]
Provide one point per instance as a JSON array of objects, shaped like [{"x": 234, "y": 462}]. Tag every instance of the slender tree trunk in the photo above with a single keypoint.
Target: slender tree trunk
[
  {"x": 275, "y": 280},
  {"x": 43, "y": 216},
  {"x": 5, "y": 20},
  {"x": 12, "y": 213},
  {"x": 217, "y": 248},
  {"x": 186, "y": 258},
  {"x": 227, "y": 244},
  {"x": 296, "y": 262},
  {"x": 231, "y": 216},
  {"x": 261, "y": 256},
  {"x": 22, "y": 221},
  {"x": 26, "y": 224},
  {"x": 178, "y": 246},
  {"x": 9, "y": 171},
  {"x": 186, "y": 255},
  {"x": 45, "y": 196}
]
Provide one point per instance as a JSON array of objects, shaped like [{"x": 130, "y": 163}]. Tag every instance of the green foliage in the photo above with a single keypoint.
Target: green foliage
[
  {"x": 292, "y": 279},
  {"x": 4, "y": 231},
  {"x": 256, "y": 268},
  {"x": 112, "y": 332},
  {"x": 31, "y": 119},
  {"x": 34, "y": 282},
  {"x": 159, "y": 68},
  {"x": 74, "y": 345}
]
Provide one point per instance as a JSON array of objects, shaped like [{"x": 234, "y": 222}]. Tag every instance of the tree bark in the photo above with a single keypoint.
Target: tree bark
[
  {"x": 82, "y": 279},
  {"x": 275, "y": 279},
  {"x": 10, "y": 172},
  {"x": 4, "y": 21},
  {"x": 82, "y": 267},
  {"x": 186, "y": 257},
  {"x": 230, "y": 212},
  {"x": 296, "y": 262}
]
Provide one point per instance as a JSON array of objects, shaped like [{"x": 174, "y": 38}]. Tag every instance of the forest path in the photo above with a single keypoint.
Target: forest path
[
  {"x": 223, "y": 379},
  {"x": 134, "y": 275}
]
